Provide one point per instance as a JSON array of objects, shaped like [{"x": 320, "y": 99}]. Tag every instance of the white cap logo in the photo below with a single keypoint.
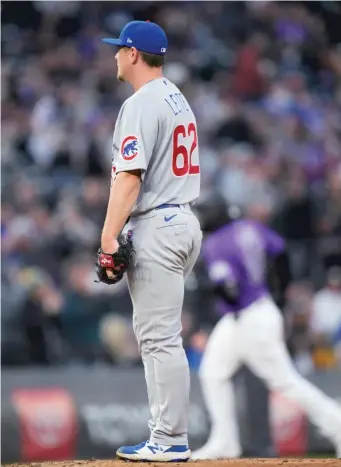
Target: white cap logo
[
  {"x": 129, "y": 40},
  {"x": 163, "y": 49}
]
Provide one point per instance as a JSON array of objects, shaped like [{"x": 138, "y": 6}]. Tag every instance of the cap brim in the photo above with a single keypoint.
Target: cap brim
[{"x": 110, "y": 41}]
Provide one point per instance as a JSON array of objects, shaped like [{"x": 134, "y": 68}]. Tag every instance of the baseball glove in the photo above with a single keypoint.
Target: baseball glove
[{"x": 117, "y": 262}]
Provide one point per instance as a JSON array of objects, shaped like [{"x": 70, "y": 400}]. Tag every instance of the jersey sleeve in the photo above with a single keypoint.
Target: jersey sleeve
[
  {"x": 137, "y": 135},
  {"x": 219, "y": 266},
  {"x": 274, "y": 243}
]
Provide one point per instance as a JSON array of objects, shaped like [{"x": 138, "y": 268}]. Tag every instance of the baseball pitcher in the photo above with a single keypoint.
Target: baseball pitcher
[
  {"x": 251, "y": 333},
  {"x": 155, "y": 178}
]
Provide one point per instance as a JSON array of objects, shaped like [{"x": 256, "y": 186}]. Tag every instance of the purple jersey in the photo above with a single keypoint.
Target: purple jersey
[{"x": 238, "y": 253}]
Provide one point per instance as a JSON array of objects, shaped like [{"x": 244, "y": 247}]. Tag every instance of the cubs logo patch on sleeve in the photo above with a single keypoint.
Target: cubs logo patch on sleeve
[{"x": 129, "y": 148}]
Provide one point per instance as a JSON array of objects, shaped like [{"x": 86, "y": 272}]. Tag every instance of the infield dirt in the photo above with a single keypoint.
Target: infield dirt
[{"x": 295, "y": 462}]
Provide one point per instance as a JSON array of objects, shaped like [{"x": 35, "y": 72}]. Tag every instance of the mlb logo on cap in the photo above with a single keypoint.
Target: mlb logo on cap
[{"x": 144, "y": 36}]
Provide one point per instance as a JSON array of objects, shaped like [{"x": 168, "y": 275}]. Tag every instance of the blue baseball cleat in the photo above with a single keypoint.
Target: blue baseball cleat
[{"x": 152, "y": 452}]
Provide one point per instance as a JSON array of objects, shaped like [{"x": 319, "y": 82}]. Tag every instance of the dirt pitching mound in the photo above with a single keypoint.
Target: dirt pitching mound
[{"x": 285, "y": 462}]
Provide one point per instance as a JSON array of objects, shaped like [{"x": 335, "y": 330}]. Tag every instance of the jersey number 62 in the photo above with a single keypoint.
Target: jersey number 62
[{"x": 182, "y": 159}]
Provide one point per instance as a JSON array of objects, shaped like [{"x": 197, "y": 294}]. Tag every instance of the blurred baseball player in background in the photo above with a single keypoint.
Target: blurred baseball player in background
[
  {"x": 156, "y": 177},
  {"x": 251, "y": 331}
]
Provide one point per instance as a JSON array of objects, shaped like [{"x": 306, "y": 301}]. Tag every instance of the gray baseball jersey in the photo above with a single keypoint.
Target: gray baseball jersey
[{"x": 156, "y": 132}]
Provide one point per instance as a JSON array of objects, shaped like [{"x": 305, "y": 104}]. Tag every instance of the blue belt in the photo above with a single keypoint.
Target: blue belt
[{"x": 163, "y": 206}]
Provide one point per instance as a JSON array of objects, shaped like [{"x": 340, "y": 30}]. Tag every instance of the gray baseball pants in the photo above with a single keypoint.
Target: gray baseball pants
[{"x": 167, "y": 243}]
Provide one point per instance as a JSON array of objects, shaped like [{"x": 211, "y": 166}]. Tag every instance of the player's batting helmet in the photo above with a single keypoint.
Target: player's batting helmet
[{"x": 213, "y": 211}]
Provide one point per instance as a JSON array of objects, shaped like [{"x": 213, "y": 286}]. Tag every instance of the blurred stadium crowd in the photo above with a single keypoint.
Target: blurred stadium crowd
[{"x": 264, "y": 79}]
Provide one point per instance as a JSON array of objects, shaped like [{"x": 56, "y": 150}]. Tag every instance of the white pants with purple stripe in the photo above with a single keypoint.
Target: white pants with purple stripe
[{"x": 256, "y": 339}]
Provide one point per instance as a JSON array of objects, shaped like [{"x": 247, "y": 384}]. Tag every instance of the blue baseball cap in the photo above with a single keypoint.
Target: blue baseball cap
[{"x": 144, "y": 36}]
